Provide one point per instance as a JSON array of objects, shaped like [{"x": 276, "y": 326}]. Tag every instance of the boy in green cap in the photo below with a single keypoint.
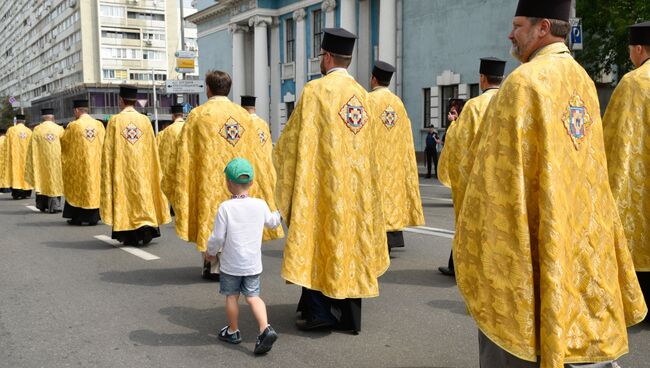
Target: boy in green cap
[{"x": 237, "y": 235}]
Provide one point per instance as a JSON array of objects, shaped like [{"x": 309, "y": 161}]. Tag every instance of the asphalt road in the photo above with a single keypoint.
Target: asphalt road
[{"x": 68, "y": 299}]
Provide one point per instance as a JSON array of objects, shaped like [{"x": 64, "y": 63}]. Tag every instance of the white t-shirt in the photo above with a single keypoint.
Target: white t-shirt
[{"x": 237, "y": 233}]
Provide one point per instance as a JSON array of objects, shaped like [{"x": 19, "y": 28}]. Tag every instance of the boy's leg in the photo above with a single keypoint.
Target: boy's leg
[
  {"x": 232, "y": 312},
  {"x": 259, "y": 311}
]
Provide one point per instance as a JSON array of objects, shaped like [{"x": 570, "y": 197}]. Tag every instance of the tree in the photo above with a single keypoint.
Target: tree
[
  {"x": 6, "y": 113},
  {"x": 605, "y": 31}
]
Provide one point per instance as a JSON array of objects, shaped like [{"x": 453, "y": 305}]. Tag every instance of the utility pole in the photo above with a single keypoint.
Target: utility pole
[
  {"x": 155, "y": 100},
  {"x": 183, "y": 39}
]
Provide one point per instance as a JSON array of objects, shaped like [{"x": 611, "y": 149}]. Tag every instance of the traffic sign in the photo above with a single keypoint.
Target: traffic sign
[
  {"x": 187, "y": 108},
  {"x": 185, "y": 54},
  {"x": 184, "y": 86},
  {"x": 576, "y": 34},
  {"x": 185, "y": 63}
]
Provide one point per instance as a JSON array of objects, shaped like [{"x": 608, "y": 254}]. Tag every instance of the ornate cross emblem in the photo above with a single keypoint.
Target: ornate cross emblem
[
  {"x": 577, "y": 120},
  {"x": 354, "y": 115},
  {"x": 132, "y": 133},
  {"x": 90, "y": 134},
  {"x": 389, "y": 117},
  {"x": 50, "y": 137},
  {"x": 232, "y": 131}
]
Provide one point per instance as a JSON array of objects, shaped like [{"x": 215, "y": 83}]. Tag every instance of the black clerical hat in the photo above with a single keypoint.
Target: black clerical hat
[
  {"x": 492, "y": 66},
  {"x": 129, "y": 92},
  {"x": 338, "y": 41},
  {"x": 640, "y": 34},
  {"x": 47, "y": 112},
  {"x": 79, "y": 103},
  {"x": 550, "y": 9},
  {"x": 20, "y": 117},
  {"x": 248, "y": 101},
  {"x": 383, "y": 71},
  {"x": 177, "y": 109}
]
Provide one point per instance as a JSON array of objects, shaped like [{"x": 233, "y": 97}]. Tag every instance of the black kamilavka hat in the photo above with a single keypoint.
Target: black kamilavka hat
[
  {"x": 383, "y": 71},
  {"x": 492, "y": 66},
  {"x": 549, "y": 9},
  {"x": 338, "y": 41}
]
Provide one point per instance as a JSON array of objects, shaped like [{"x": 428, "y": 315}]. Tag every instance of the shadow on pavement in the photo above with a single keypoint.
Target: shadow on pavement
[
  {"x": 273, "y": 253},
  {"x": 418, "y": 278},
  {"x": 438, "y": 205},
  {"x": 90, "y": 244},
  {"x": 58, "y": 223},
  {"x": 205, "y": 329},
  {"x": 156, "y": 276},
  {"x": 453, "y": 306},
  {"x": 641, "y": 327}
]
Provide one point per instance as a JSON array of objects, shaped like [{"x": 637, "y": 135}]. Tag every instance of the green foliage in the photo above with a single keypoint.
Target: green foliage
[
  {"x": 6, "y": 113},
  {"x": 605, "y": 31}
]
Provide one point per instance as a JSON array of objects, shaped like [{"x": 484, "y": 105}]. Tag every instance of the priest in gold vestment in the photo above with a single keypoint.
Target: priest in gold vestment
[
  {"x": 81, "y": 159},
  {"x": 167, "y": 148},
  {"x": 15, "y": 155},
  {"x": 4, "y": 184},
  {"x": 263, "y": 153},
  {"x": 398, "y": 167},
  {"x": 329, "y": 192},
  {"x": 627, "y": 141},
  {"x": 460, "y": 136},
  {"x": 131, "y": 198},
  {"x": 541, "y": 257},
  {"x": 215, "y": 133},
  {"x": 43, "y": 163}
]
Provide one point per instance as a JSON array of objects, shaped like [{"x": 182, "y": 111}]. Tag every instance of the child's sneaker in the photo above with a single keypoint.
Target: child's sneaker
[
  {"x": 265, "y": 341},
  {"x": 233, "y": 338}
]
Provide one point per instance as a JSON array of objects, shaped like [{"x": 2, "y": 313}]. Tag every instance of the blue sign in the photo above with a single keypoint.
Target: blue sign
[
  {"x": 187, "y": 108},
  {"x": 576, "y": 37}
]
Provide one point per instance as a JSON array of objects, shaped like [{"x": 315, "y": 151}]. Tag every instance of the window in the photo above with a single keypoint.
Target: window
[
  {"x": 427, "y": 107},
  {"x": 290, "y": 55},
  {"x": 474, "y": 90},
  {"x": 112, "y": 11},
  {"x": 446, "y": 94},
  {"x": 121, "y": 35},
  {"x": 290, "y": 107},
  {"x": 317, "y": 27},
  {"x": 119, "y": 74},
  {"x": 146, "y": 16}
]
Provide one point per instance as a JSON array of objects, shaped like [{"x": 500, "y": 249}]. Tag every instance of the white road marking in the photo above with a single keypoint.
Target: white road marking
[
  {"x": 135, "y": 251},
  {"x": 433, "y": 185},
  {"x": 33, "y": 208},
  {"x": 438, "y": 199},
  {"x": 424, "y": 230}
]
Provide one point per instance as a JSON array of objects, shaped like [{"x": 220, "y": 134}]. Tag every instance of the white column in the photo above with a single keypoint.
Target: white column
[
  {"x": 276, "y": 96},
  {"x": 349, "y": 22},
  {"x": 261, "y": 74},
  {"x": 238, "y": 63},
  {"x": 364, "y": 45},
  {"x": 301, "y": 64},
  {"x": 388, "y": 34},
  {"x": 328, "y": 7}
]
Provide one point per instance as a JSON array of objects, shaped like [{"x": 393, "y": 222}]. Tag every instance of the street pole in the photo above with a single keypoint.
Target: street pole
[
  {"x": 185, "y": 97},
  {"x": 155, "y": 100}
]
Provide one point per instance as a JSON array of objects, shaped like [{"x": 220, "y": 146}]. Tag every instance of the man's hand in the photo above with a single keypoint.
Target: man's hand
[{"x": 210, "y": 258}]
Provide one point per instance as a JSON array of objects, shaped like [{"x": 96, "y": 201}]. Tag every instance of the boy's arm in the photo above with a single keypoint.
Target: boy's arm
[
  {"x": 271, "y": 219},
  {"x": 218, "y": 236}
]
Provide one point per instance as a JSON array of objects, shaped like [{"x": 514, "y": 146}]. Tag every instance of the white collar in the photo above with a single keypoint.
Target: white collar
[
  {"x": 219, "y": 98},
  {"x": 336, "y": 69}
]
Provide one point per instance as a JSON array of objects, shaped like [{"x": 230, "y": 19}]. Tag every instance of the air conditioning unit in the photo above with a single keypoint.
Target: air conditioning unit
[
  {"x": 72, "y": 3},
  {"x": 148, "y": 42}
]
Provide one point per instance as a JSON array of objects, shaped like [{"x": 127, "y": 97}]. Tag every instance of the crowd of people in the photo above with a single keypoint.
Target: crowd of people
[{"x": 550, "y": 252}]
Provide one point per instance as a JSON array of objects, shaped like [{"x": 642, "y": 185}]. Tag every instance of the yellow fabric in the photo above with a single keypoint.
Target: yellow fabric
[
  {"x": 397, "y": 163},
  {"x": 215, "y": 133},
  {"x": 18, "y": 137},
  {"x": 540, "y": 254},
  {"x": 265, "y": 175},
  {"x": 329, "y": 191},
  {"x": 130, "y": 190},
  {"x": 43, "y": 163},
  {"x": 167, "y": 147},
  {"x": 81, "y": 160},
  {"x": 627, "y": 143},
  {"x": 458, "y": 143},
  {"x": 3, "y": 155}
]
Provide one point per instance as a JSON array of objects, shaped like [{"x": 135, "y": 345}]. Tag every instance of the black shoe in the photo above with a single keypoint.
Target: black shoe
[
  {"x": 73, "y": 222},
  {"x": 265, "y": 341},
  {"x": 233, "y": 338},
  {"x": 314, "y": 325},
  {"x": 93, "y": 223},
  {"x": 207, "y": 275},
  {"x": 447, "y": 271},
  {"x": 147, "y": 237}
]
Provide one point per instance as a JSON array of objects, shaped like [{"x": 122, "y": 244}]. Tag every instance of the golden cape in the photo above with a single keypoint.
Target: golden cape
[
  {"x": 43, "y": 164},
  {"x": 397, "y": 163},
  {"x": 167, "y": 147},
  {"x": 458, "y": 144},
  {"x": 265, "y": 174},
  {"x": 329, "y": 191},
  {"x": 540, "y": 254},
  {"x": 627, "y": 141},
  {"x": 81, "y": 160},
  {"x": 214, "y": 133},
  {"x": 3, "y": 154},
  {"x": 18, "y": 137},
  {"x": 131, "y": 196}
]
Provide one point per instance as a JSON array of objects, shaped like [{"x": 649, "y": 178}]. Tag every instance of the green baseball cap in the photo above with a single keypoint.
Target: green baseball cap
[{"x": 237, "y": 168}]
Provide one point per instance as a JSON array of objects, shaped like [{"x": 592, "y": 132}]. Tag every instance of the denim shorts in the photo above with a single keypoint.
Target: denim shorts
[{"x": 235, "y": 285}]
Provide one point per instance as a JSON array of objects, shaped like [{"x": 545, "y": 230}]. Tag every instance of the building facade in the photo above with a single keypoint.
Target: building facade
[
  {"x": 270, "y": 47},
  {"x": 60, "y": 50}
]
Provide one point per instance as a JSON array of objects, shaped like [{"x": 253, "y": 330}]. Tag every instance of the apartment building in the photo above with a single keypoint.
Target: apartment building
[{"x": 56, "y": 51}]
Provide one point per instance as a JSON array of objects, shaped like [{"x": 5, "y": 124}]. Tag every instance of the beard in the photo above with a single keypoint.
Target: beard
[
  {"x": 322, "y": 66},
  {"x": 518, "y": 48}
]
